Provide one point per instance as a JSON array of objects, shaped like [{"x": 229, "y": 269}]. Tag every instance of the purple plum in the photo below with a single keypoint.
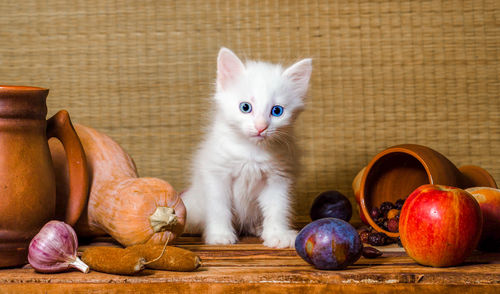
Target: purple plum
[
  {"x": 329, "y": 243},
  {"x": 331, "y": 204}
]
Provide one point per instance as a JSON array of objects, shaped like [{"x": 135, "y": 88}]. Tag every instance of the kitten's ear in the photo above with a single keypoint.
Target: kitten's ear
[
  {"x": 300, "y": 73},
  {"x": 229, "y": 66}
]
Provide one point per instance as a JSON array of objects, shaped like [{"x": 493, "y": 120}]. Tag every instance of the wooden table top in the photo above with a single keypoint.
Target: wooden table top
[{"x": 250, "y": 267}]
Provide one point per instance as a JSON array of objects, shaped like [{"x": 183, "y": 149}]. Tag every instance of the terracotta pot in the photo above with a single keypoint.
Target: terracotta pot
[
  {"x": 397, "y": 171},
  {"x": 27, "y": 181}
]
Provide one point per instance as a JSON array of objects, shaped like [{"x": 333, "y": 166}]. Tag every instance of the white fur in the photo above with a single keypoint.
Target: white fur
[{"x": 241, "y": 180}]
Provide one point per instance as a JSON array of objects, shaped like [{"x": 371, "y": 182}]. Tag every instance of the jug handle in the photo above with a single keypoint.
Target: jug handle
[{"x": 60, "y": 127}]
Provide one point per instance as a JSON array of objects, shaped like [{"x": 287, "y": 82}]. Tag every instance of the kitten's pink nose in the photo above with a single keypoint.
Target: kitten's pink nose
[{"x": 261, "y": 126}]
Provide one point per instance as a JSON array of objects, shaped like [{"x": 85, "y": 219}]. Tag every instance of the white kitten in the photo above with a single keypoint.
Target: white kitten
[{"x": 243, "y": 172}]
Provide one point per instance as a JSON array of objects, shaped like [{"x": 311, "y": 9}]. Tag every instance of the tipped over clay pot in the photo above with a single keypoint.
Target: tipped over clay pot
[{"x": 397, "y": 171}]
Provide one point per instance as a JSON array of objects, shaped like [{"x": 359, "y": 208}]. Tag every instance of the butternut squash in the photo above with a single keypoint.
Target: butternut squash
[{"x": 132, "y": 210}]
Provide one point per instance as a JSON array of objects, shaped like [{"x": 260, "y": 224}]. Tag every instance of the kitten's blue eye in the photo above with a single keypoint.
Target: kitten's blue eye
[
  {"x": 277, "y": 110},
  {"x": 245, "y": 107}
]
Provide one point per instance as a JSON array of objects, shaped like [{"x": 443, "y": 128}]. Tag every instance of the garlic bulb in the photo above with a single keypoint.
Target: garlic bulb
[{"x": 54, "y": 248}]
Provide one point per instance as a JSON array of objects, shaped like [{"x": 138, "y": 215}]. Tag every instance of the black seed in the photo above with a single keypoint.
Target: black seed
[
  {"x": 399, "y": 203},
  {"x": 375, "y": 213},
  {"x": 363, "y": 235},
  {"x": 393, "y": 225},
  {"x": 376, "y": 239},
  {"x": 385, "y": 207},
  {"x": 370, "y": 252}
]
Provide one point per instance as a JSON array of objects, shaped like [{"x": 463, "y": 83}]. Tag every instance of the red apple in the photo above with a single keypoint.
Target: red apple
[
  {"x": 489, "y": 201},
  {"x": 440, "y": 225}
]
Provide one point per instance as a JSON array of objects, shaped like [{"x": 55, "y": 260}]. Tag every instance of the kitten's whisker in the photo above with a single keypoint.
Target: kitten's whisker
[{"x": 283, "y": 138}]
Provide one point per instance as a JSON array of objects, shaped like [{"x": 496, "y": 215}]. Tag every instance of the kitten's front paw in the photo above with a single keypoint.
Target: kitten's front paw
[
  {"x": 221, "y": 239},
  {"x": 280, "y": 239}
]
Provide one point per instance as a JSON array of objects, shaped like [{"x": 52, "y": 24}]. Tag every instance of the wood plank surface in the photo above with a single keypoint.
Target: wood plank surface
[{"x": 252, "y": 267}]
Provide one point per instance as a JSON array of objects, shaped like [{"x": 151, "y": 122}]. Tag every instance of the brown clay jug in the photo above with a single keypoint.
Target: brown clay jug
[{"x": 27, "y": 181}]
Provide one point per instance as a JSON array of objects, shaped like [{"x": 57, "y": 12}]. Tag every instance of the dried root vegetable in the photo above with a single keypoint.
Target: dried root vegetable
[
  {"x": 113, "y": 260},
  {"x": 167, "y": 258}
]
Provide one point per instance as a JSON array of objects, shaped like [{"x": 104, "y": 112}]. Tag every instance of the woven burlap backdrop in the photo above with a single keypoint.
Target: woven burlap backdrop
[{"x": 385, "y": 73}]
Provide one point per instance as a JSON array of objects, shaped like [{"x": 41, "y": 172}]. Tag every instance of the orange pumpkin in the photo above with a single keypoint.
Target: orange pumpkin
[{"x": 132, "y": 210}]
